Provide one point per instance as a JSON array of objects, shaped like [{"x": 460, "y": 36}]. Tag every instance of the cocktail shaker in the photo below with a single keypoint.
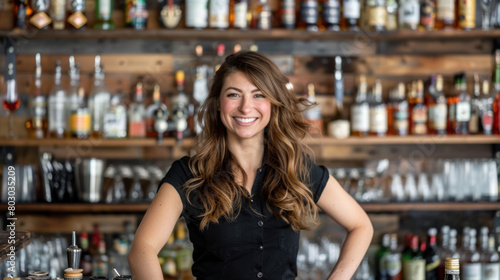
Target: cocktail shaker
[{"x": 74, "y": 254}]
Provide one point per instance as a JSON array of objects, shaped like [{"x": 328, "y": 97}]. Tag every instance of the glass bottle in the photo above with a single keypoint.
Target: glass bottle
[
  {"x": 393, "y": 263},
  {"x": 380, "y": 257},
  {"x": 58, "y": 14},
  {"x": 378, "y": 112},
  {"x": 104, "y": 15},
  {"x": 474, "y": 123},
  {"x": 75, "y": 15},
  {"x": 263, "y": 16},
  {"x": 466, "y": 14},
  {"x": 418, "y": 110},
  {"x": 219, "y": 14},
  {"x": 490, "y": 260},
  {"x": 376, "y": 11},
  {"x": 58, "y": 122},
  {"x": 79, "y": 119},
  {"x": 360, "y": 111},
  {"x": 392, "y": 15},
  {"x": 496, "y": 93},
  {"x": 431, "y": 255},
  {"x": 397, "y": 115},
  {"x": 74, "y": 85},
  {"x": 136, "y": 14},
  {"x": 100, "y": 262},
  {"x": 86, "y": 259},
  {"x": 445, "y": 14},
  {"x": 155, "y": 111},
  {"x": 37, "y": 125},
  {"x": 99, "y": 100},
  {"x": 21, "y": 11},
  {"x": 452, "y": 269},
  {"x": 444, "y": 249},
  {"x": 427, "y": 14},
  {"x": 486, "y": 111},
  {"x": 308, "y": 15},
  {"x": 184, "y": 250},
  {"x": 137, "y": 115},
  {"x": 350, "y": 16},
  {"x": 339, "y": 127},
  {"x": 437, "y": 109},
  {"x": 170, "y": 13},
  {"x": 197, "y": 14},
  {"x": 40, "y": 18},
  {"x": 462, "y": 107},
  {"x": 238, "y": 14},
  {"x": 115, "y": 118},
  {"x": 286, "y": 17},
  {"x": 471, "y": 266},
  {"x": 413, "y": 261},
  {"x": 330, "y": 15},
  {"x": 409, "y": 14},
  {"x": 313, "y": 115},
  {"x": 179, "y": 105}
]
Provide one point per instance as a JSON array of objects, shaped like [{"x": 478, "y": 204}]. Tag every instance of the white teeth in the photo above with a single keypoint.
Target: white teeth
[{"x": 244, "y": 120}]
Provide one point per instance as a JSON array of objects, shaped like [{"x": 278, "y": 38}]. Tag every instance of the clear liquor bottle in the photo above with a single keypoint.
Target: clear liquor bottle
[
  {"x": 263, "y": 16},
  {"x": 179, "y": 108},
  {"x": 378, "y": 112},
  {"x": 437, "y": 109},
  {"x": 471, "y": 266},
  {"x": 137, "y": 114},
  {"x": 409, "y": 14},
  {"x": 486, "y": 111},
  {"x": 99, "y": 100},
  {"x": 58, "y": 116},
  {"x": 444, "y": 249},
  {"x": 393, "y": 262},
  {"x": 197, "y": 14},
  {"x": 155, "y": 112},
  {"x": 219, "y": 14},
  {"x": 360, "y": 111},
  {"x": 74, "y": 84},
  {"x": 238, "y": 14},
  {"x": 313, "y": 115},
  {"x": 100, "y": 262},
  {"x": 351, "y": 13},
  {"x": 463, "y": 107},
  {"x": 330, "y": 15},
  {"x": 490, "y": 260},
  {"x": 115, "y": 118},
  {"x": 309, "y": 15},
  {"x": 37, "y": 124},
  {"x": 339, "y": 126},
  {"x": 474, "y": 123}
]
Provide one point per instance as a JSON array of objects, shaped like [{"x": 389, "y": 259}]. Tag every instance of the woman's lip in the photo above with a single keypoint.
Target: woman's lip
[{"x": 244, "y": 123}]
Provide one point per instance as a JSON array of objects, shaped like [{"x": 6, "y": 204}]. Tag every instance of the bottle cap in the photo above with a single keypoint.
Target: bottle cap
[{"x": 452, "y": 263}]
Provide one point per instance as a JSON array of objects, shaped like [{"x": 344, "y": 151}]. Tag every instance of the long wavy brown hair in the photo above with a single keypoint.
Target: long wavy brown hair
[{"x": 285, "y": 188}]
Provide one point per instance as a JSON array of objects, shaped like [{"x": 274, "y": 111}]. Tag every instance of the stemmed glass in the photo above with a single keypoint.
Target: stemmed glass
[{"x": 11, "y": 103}]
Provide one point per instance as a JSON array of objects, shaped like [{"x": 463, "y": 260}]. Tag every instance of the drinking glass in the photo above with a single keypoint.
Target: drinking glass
[
  {"x": 11, "y": 103},
  {"x": 486, "y": 11}
]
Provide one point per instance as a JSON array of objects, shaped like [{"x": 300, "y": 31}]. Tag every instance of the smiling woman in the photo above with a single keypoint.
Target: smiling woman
[{"x": 251, "y": 186}]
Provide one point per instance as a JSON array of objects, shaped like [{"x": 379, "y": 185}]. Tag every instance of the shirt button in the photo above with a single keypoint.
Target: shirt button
[
  {"x": 251, "y": 200},
  {"x": 260, "y": 223},
  {"x": 260, "y": 274},
  {"x": 261, "y": 247}
]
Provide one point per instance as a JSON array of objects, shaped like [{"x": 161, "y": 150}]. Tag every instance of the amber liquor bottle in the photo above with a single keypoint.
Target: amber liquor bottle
[
  {"x": 436, "y": 104},
  {"x": 287, "y": 14},
  {"x": 445, "y": 14},
  {"x": 76, "y": 18},
  {"x": 40, "y": 18},
  {"x": 418, "y": 110},
  {"x": 397, "y": 112},
  {"x": 330, "y": 15}
]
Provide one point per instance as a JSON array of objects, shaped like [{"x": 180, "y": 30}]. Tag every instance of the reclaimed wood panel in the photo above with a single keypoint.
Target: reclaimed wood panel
[
  {"x": 433, "y": 47},
  {"x": 22, "y": 239}
]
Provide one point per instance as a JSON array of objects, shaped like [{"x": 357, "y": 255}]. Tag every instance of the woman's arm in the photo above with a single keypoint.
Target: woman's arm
[
  {"x": 153, "y": 232},
  {"x": 342, "y": 208}
]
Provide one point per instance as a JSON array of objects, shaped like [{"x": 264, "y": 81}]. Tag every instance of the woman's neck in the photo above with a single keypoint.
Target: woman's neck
[{"x": 249, "y": 154}]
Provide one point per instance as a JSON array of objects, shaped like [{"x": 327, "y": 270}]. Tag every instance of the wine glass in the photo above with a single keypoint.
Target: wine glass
[{"x": 11, "y": 103}]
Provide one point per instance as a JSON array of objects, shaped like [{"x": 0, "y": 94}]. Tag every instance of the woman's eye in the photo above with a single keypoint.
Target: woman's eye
[
  {"x": 232, "y": 95},
  {"x": 259, "y": 96}
]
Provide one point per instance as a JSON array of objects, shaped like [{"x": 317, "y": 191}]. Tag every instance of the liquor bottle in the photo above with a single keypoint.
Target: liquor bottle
[
  {"x": 154, "y": 112},
  {"x": 263, "y": 16},
  {"x": 452, "y": 269},
  {"x": 37, "y": 125},
  {"x": 79, "y": 118},
  {"x": 466, "y": 14},
  {"x": 75, "y": 16},
  {"x": 392, "y": 15},
  {"x": 471, "y": 266},
  {"x": 339, "y": 127},
  {"x": 219, "y": 14},
  {"x": 58, "y": 122},
  {"x": 238, "y": 14},
  {"x": 170, "y": 13},
  {"x": 496, "y": 93},
  {"x": 74, "y": 85},
  {"x": 462, "y": 107},
  {"x": 100, "y": 262},
  {"x": 453, "y": 251},
  {"x": 58, "y": 13},
  {"x": 427, "y": 15},
  {"x": 418, "y": 110},
  {"x": 99, "y": 100},
  {"x": 445, "y": 14},
  {"x": 40, "y": 18},
  {"x": 221, "y": 48},
  {"x": 104, "y": 15},
  {"x": 486, "y": 112},
  {"x": 393, "y": 263},
  {"x": 184, "y": 250},
  {"x": 490, "y": 260},
  {"x": 287, "y": 14},
  {"x": 137, "y": 115},
  {"x": 136, "y": 14},
  {"x": 22, "y": 11},
  {"x": 179, "y": 111},
  {"x": 168, "y": 255},
  {"x": 397, "y": 113},
  {"x": 330, "y": 15},
  {"x": 380, "y": 257},
  {"x": 377, "y": 14},
  {"x": 313, "y": 115},
  {"x": 200, "y": 93},
  {"x": 409, "y": 14},
  {"x": 308, "y": 15},
  {"x": 437, "y": 109},
  {"x": 413, "y": 261},
  {"x": 474, "y": 123},
  {"x": 360, "y": 111},
  {"x": 115, "y": 118},
  {"x": 431, "y": 255},
  {"x": 86, "y": 259},
  {"x": 378, "y": 112},
  {"x": 197, "y": 14},
  {"x": 351, "y": 13},
  {"x": 444, "y": 249}
]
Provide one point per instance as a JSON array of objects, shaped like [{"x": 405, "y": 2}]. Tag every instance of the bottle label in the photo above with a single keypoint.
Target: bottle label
[
  {"x": 414, "y": 270},
  {"x": 419, "y": 120},
  {"x": 38, "y": 107},
  {"x": 240, "y": 15},
  {"x": 40, "y": 20},
  {"x": 463, "y": 111},
  {"x": 360, "y": 115},
  {"x": 446, "y": 10},
  {"x": 437, "y": 116},
  {"x": 115, "y": 123},
  {"x": 196, "y": 13},
  {"x": 219, "y": 14},
  {"x": 467, "y": 14},
  {"x": 137, "y": 129},
  {"x": 352, "y": 9},
  {"x": 491, "y": 271},
  {"x": 79, "y": 122},
  {"x": 77, "y": 20},
  {"x": 331, "y": 12},
  {"x": 471, "y": 271},
  {"x": 57, "y": 115},
  {"x": 104, "y": 9},
  {"x": 427, "y": 14},
  {"x": 378, "y": 120},
  {"x": 288, "y": 13},
  {"x": 474, "y": 123},
  {"x": 487, "y": 121},
  {"x": 377, "y": 16},
  {"x": 264, "y": 20},
  {"x": 309, "y": 11},
  {"x": 393, "y": 264},
  {"x": 411, "y": 12}
]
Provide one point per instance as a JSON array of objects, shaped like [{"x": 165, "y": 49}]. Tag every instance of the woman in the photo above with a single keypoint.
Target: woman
[{"x": 251, "y": 187}]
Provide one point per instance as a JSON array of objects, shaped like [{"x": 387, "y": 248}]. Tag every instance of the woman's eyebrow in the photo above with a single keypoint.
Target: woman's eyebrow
[{"x": 239, "y": 90}]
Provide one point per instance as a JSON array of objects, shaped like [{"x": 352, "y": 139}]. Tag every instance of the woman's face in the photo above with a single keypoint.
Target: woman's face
[{"x": 244, "y": 110}]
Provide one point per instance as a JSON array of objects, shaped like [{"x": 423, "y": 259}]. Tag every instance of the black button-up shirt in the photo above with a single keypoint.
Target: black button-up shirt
[{"x": 253, "y": 246}]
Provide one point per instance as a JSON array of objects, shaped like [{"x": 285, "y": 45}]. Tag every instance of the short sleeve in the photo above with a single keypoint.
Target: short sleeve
[
  {"x": 177, "y": 175},
  {"x": 318, "y": 177}
]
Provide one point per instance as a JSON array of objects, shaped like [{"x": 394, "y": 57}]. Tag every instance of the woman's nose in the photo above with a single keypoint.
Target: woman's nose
[{"x": 245, "y": 105}]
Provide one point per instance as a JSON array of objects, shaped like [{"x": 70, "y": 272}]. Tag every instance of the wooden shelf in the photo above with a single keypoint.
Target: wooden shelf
[
  {"x": 232, "y": 34},
  {"x": 320, "y": 141},
  {"x": 142, "y": 207}
]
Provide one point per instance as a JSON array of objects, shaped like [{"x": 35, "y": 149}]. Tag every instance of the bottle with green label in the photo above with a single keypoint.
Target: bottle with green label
[{"x": 104, "y": 15}]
